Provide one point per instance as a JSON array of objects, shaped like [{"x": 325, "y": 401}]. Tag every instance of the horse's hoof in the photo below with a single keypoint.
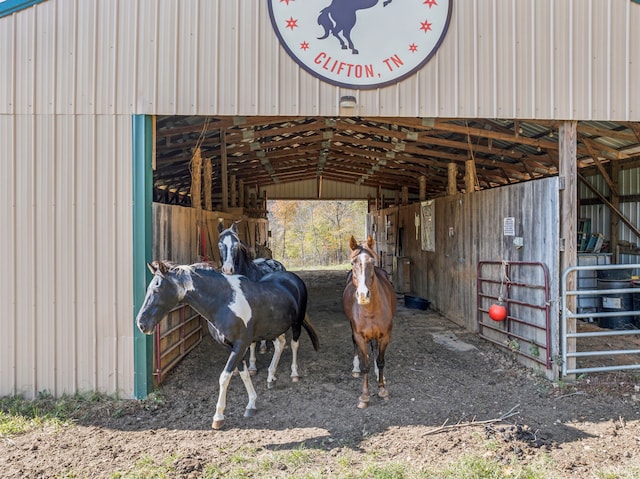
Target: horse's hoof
[
  {"x": 295, "y": 379},
  {"x": 362, "y": 404},
  {"x": 249, "y": 412},
  {"x": 271, "y": 384},
  {"x": 263, "y": 350},
  {"x": 383, "y": 393},
  {"x": 354, "y": 51},
  {"x": 253, "y": 371},
  {"x": 217, "y": 424},
  {"x": 355, "y": 374}
]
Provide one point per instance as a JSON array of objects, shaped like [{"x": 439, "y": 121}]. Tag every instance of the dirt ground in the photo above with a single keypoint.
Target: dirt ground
[{"x": 436, "y": 373}]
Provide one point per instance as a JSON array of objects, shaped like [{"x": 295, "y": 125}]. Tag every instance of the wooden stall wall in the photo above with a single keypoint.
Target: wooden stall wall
[
  {"x": 468, "y": 229},
  {"x": 190, "y": 235},
  {"x": 185, "y": 236}
]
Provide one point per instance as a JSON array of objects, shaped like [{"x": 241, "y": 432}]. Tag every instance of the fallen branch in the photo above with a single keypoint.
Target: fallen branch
[
  {"x": 446, "y": 427},
  {"x": 577, "y": 393}
]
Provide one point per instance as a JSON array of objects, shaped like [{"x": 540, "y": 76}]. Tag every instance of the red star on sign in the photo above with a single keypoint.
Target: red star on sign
[
  {"x": 287, "y": 1},
  {"x": 304, "y": 46},
  {"x": 426, "y": 26},
  {"x": 431, "y": 3},
  {"x": 292, "y": 23},
  {"x": 413, "y": 48}
]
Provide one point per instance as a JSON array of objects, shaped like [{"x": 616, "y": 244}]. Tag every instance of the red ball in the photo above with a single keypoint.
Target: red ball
[{"x": 498, "y": 312}]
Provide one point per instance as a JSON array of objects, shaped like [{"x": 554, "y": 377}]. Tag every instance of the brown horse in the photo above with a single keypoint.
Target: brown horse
[{"x": 369, "y": 302}]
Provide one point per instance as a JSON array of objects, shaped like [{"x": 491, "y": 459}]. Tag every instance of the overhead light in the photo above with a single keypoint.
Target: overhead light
[{"x": 348, "y": 101}]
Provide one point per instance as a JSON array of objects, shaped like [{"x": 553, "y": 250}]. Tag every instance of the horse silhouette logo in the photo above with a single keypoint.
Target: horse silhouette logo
[
  {"x": 360, "y": 43},
  {"x": 340, "y": 17}
]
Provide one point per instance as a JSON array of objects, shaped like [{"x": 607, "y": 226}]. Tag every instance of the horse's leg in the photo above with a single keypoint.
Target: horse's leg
[
  {"x": 335, "y": 33},
  {"x": 250, "y": 410},
  {"x": 347, "y": 35},
  {"x": 363, "y": 400},
  {"x": 223, "y": 382},
  {"x": 382, "y": 391},
  {"x": 278, "y": 347},
  {"x": 355, "y": 372},
  {"x": 294, "y": 360},
  {"x": 252, "y": 359}
]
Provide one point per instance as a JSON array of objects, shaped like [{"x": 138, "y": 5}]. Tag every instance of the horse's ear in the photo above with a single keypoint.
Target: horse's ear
[
  {"x": 234, "y": 227},
  {"x": 353, "y": 243},
  {"x": 152, "y": 267},
  {"x": 371, "y": 243},
  {"x": 220, "y": 226},
  {"x": 162, "y": 267}
]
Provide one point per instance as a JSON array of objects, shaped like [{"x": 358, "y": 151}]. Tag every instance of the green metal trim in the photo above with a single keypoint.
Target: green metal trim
[
  {"x": 11, "y": 6},
  {"x": 142, "y": 248}
]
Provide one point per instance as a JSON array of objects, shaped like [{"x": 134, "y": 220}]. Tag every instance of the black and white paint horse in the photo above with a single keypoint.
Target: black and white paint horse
[
  {"x": 239, "y": 311},
  {"x": 235, "y": 259},
  {"x": 340, "y": 17}
]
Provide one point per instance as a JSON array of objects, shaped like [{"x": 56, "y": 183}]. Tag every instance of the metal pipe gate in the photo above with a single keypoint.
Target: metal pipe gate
[
  {"x": 524, "y": 289},
  {"x": 176, "y": 335},
  {"x": 569, "y": 335}
]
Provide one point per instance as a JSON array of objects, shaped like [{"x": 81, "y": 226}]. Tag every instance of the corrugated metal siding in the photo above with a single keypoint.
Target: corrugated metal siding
[
  {"x": 600, "y": 215},
  {"x": 330, "y": 189},
  {"x": 543, "y": 59},
  {"x": 66, "y": 186}
]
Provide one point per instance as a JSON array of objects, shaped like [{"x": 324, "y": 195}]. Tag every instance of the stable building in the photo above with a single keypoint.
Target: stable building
[{"x": 495, "y": 143}]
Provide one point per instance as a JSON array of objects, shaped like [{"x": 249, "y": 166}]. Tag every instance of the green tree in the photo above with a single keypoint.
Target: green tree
[{"x": 307, "y": 233}]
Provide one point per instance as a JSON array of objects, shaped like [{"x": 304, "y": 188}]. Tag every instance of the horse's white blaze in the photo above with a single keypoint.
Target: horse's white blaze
[
  {"x": 239, "y": 305},
  {"x": 227, "y": 260},
  {"x": 362, "y": 292}
]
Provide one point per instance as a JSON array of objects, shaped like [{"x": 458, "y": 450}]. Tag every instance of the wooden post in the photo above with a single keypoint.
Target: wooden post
[
  {"x": 223, "y": 169},
  {"x": 615, "y": 202},
  {"x": 452, "y": 186},
  {"x": 470, "y": 176},
  {"x": 568, "y": 170},
  {"x": 196, "y": 178},
  {"x": 241, "y": 200},
  {"x": 234, "y": 192},
  {"x": 423, "y": 188},
  {"x": 208, "y": 179},
  {"x": 405, "y": 195}
]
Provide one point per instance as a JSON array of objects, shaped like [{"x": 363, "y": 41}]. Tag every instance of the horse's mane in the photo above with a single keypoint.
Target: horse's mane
[{"x": 181, "y": 269}]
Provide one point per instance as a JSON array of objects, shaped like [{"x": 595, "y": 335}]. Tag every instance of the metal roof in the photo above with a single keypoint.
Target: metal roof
[{"x": 386, "y": 153}]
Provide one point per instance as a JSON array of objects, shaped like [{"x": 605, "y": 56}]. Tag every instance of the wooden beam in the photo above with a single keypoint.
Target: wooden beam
[
  {"x": 224, "y": 170},
  {"x": 470, "y": 178},
  {"x": 452, "y": 184},
  {"x": 624, "y": 219},
  {"x": 568, "y": 225}
]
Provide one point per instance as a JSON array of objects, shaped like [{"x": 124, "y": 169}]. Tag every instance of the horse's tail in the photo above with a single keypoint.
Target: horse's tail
[
  {"x": 311, "y": 331},
  {"x": 325, "y": 22}
]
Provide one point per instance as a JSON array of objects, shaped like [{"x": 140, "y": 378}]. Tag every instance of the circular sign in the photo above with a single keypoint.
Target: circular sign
[{"x": 360, "y": 43}]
